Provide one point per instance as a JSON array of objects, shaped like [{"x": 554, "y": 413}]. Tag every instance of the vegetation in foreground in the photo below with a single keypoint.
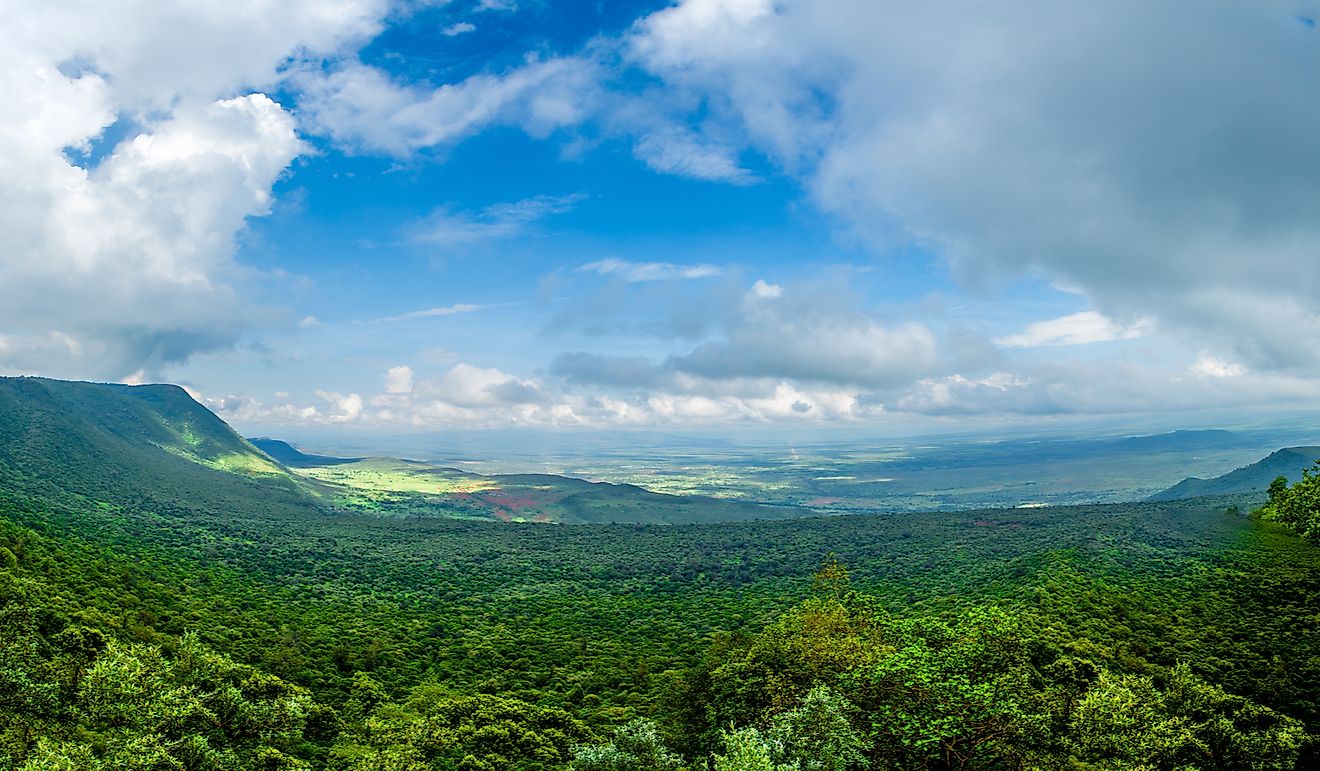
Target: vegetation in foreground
[{"x": 836, "y": 682}]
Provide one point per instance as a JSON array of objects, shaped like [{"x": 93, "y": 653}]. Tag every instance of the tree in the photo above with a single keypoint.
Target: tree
[
  {"x": 1298, "y": 506},
  {"x": 747, "y": 750},
  {"x": 634, "y": 746},
  {"x": 1126, "y": 719},
  {"x": 818, "y": 736},
  {"x": 953, "y": 694}
]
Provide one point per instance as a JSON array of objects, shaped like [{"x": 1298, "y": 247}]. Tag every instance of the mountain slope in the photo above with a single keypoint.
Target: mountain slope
[
  {"x": 152, "y": 447},
  {"x": 1256, "y": 477}
]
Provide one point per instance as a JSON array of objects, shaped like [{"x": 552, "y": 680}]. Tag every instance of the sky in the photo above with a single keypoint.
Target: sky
[{"x": 401, "y": 215}]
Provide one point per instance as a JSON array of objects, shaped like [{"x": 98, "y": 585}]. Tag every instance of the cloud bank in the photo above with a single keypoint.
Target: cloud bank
[{"x": 129, "y": 165}]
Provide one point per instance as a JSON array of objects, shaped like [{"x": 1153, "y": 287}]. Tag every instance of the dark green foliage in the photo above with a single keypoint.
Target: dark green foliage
[
  {"x": 984, "y": 690},
  {"x": 1127, "y": 720},
  {"x": 72, "y": 698},
  {"x": 435, "y": 729}
]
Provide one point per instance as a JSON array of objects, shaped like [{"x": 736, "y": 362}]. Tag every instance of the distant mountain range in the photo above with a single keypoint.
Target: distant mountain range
[{"x": 1288, "y": 462}]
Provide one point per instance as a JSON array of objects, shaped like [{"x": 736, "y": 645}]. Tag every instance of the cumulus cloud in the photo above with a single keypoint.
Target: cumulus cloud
[
  {"x": 467, "y": 386},
  {"x": 1160, "y": 159},
  {"x": 811, "y": 333},
  {"x": 399, "y": 380},
  {"x": 343, "y": 408},
  {"x": 119, "y": 257},
  {"x": 129, "y": 265},
  {"x": 468, "y": 395}
]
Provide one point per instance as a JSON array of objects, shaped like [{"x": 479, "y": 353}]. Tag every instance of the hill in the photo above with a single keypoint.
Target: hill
[
  {"x": 1256, "y": 477},
  {"x": 292, "y": 457},
  {"x": 150, "y": 445}
]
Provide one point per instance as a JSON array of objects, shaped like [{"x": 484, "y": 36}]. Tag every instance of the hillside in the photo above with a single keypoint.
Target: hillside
[
  {"x": 1254, "y": 478},
  {"x": 148, "y": 445}
]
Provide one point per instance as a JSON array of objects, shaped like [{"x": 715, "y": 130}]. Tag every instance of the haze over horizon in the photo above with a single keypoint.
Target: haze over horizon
[{"x": 370, "y": 217}]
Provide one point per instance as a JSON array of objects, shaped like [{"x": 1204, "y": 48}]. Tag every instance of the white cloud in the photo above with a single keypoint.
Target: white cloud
[
  {"x": 430, "y": 313},
  {"x": 810, "y": 333},
  {"x": 461, "y": 28},
  {"x": 451, "y": 229},
  {"x": 131, "y": 262},
  {"x": 624, "y": 270},
  {"x": 120, "y": 258},
  {"x": 1075, "y": 329},
  {"x": 399, "y": 380},
  {"x": 344, "y": 408},
  {"x": 685, "y": 154},
  {"x": 362, "y": 108},
  {"x": 1210, "y": 366},
  {"x": 1020, "y": 139},
  {"x": 467, "y": 386}
]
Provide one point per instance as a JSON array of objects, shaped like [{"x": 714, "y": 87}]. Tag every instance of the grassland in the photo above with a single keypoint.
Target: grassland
[{"x": 408, "y": 488}]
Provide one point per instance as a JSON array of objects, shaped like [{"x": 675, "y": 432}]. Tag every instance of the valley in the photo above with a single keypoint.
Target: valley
[{"x": 380, "y": 602}]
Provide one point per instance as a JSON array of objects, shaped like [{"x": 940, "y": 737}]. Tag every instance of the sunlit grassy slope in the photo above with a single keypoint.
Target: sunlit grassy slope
[{"x": 391, "y": 486}]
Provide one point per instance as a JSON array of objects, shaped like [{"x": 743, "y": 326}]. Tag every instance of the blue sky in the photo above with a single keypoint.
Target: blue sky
[{"x": 378, "y": 216}]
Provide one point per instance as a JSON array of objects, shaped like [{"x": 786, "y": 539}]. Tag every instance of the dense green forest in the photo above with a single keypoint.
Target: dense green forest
[{"x": 160, "y": 609}]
